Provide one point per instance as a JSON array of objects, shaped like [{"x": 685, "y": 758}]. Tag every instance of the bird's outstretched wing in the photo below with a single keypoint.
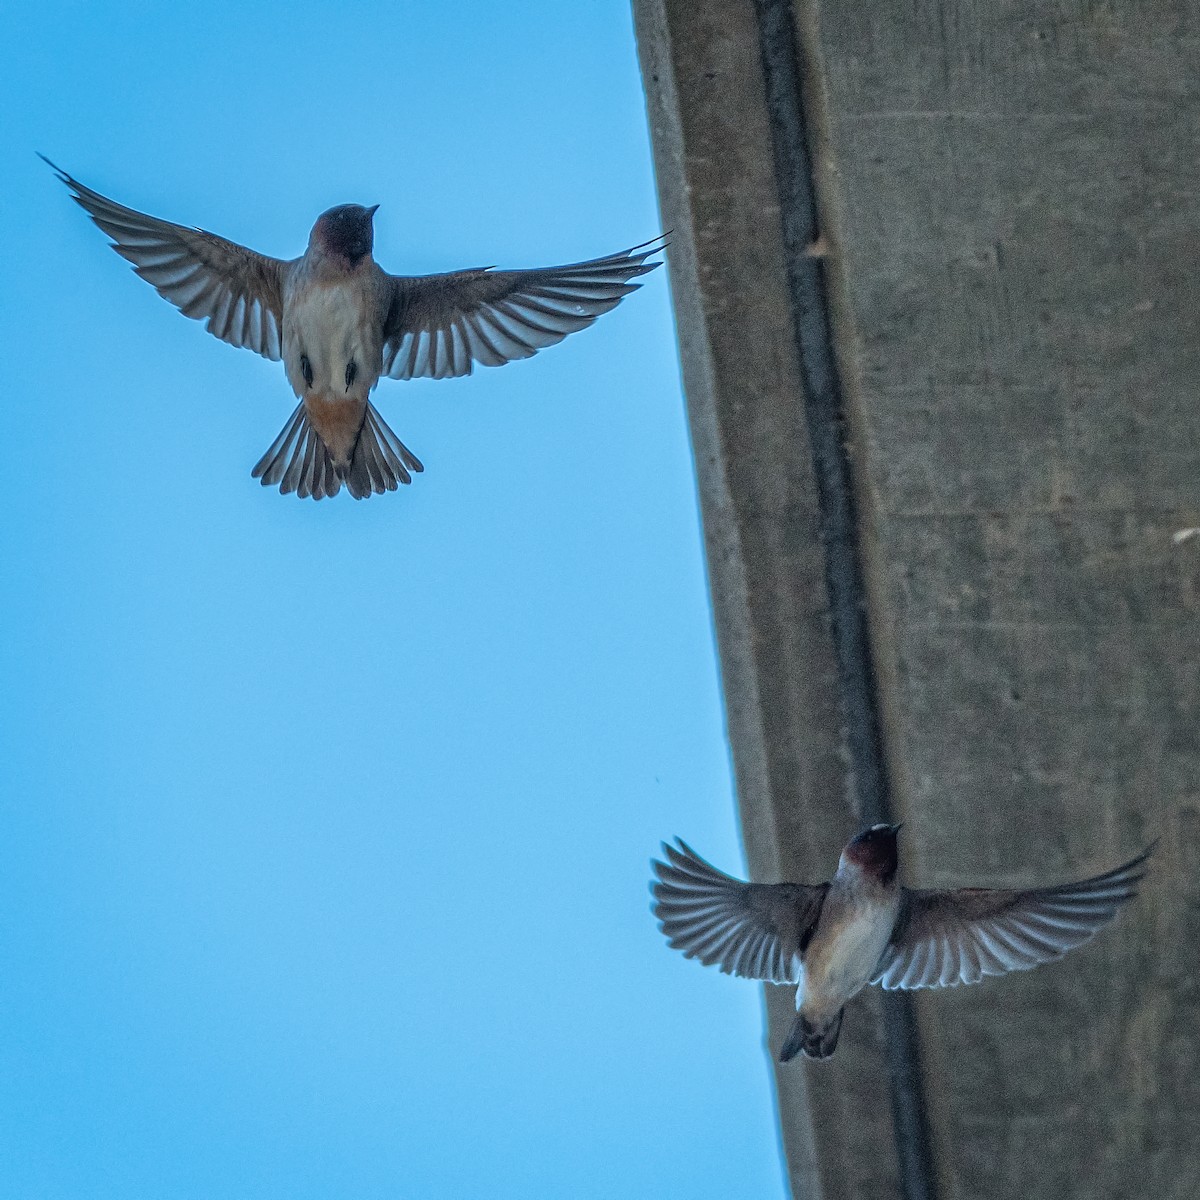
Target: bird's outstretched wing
[
  {"x": 439, "y": 326},
  {"x": 944, "y": 938},
  {"x": 756, "y": 930},
  {"x": 238, "y": 291}
]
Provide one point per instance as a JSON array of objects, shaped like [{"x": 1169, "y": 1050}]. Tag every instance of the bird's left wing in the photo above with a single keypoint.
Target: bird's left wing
[
  {"x": 944, "y": 938},
  {"x": 756, "y": 930},
  {"x": 238, "y": 291},
  {"x": 439, "y": 326}
]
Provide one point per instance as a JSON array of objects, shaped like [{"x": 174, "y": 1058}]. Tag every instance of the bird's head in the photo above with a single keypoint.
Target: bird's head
[
  {"x": 347, "y": 231},
  {"x": 873, "y": 852}
]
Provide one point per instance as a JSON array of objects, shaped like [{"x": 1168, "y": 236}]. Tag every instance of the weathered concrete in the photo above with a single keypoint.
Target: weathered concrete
[
  {"x": 759, "y": 495},
  {"x": 1011, "y": 201}
]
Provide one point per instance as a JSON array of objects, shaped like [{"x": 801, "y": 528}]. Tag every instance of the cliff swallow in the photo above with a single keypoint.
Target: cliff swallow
[
  {"x": 863, "y": 927},
  {"x": 339, "y": 323}
]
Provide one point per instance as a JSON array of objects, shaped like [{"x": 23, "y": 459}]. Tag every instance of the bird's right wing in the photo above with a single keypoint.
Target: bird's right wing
[
  {"x": 238, "y": 291},
  {"x": 945, "y": 938},
  {"x": 755, "y": 930},
  {"x": 440, "y": 326}
]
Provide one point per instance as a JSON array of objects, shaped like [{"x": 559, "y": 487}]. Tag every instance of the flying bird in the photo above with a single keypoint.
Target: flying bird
[
  {"x": 863, "y": 927},
  {"x": 340, "y": 323}
]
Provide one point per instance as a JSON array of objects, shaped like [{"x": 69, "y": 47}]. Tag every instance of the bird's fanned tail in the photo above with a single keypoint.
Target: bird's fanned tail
[
  {"x": 299, "y": 460},
  {"x": 813, "y": 1041}
]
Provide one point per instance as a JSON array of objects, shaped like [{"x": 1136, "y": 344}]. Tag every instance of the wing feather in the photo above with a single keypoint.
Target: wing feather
[
  {"x": 238, "y": 292},
  {"x": 944, "y": 938},
  {"x": 754, "y": 930},
  {"x": 492, "y": 317}
]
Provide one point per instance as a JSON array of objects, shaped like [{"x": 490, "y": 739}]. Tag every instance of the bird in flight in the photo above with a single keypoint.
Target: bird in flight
[
  {"x": 861, "y": 927},
  {"x": 340, "y": 323}
]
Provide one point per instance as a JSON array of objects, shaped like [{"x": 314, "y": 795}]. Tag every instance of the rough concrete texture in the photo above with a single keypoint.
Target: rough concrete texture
[
  {"x": 1011, "y": 196},
  {"x": 758, "y": 494}
]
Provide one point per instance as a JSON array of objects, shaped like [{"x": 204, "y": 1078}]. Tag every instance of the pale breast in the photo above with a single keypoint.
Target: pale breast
[
  {"x": 326, "y": 328},
  {"x": 843, "y": 955}
]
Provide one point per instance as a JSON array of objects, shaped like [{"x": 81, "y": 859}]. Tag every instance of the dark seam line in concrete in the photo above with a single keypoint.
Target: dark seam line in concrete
[{"x": 839, "y": 538}]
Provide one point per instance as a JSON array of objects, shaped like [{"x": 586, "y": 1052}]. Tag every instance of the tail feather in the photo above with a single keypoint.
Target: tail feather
[
  {"x": 271, "y": 466},
  {"x": 299, "y": 461},
  {"x": 381, "y": 460},
  {"x": 318, "y": 479},
  {"x": 295, "y": 469},
  {"x": 814, "y": 1041}
]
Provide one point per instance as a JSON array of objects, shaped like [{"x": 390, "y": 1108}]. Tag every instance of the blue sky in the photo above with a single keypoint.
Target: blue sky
[{"x": 323, "y": 864}]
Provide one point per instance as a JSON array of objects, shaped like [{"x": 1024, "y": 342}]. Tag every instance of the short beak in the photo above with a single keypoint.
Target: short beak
[
  {"x": 897, "y": 828},
  {"x": 372, "y": 210}
]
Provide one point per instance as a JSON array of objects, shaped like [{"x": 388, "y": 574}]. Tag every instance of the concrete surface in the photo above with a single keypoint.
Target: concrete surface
[{"x": 1009, "y": 194}]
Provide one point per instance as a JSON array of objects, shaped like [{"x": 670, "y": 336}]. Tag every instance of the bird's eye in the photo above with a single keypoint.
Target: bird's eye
[
  {"x": 351, "y": 372},
  {"x": 306, "y": 369}
]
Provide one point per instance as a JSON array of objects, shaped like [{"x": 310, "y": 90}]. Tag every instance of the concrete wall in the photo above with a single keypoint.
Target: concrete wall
[{"x": 1008, "y": 209}]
